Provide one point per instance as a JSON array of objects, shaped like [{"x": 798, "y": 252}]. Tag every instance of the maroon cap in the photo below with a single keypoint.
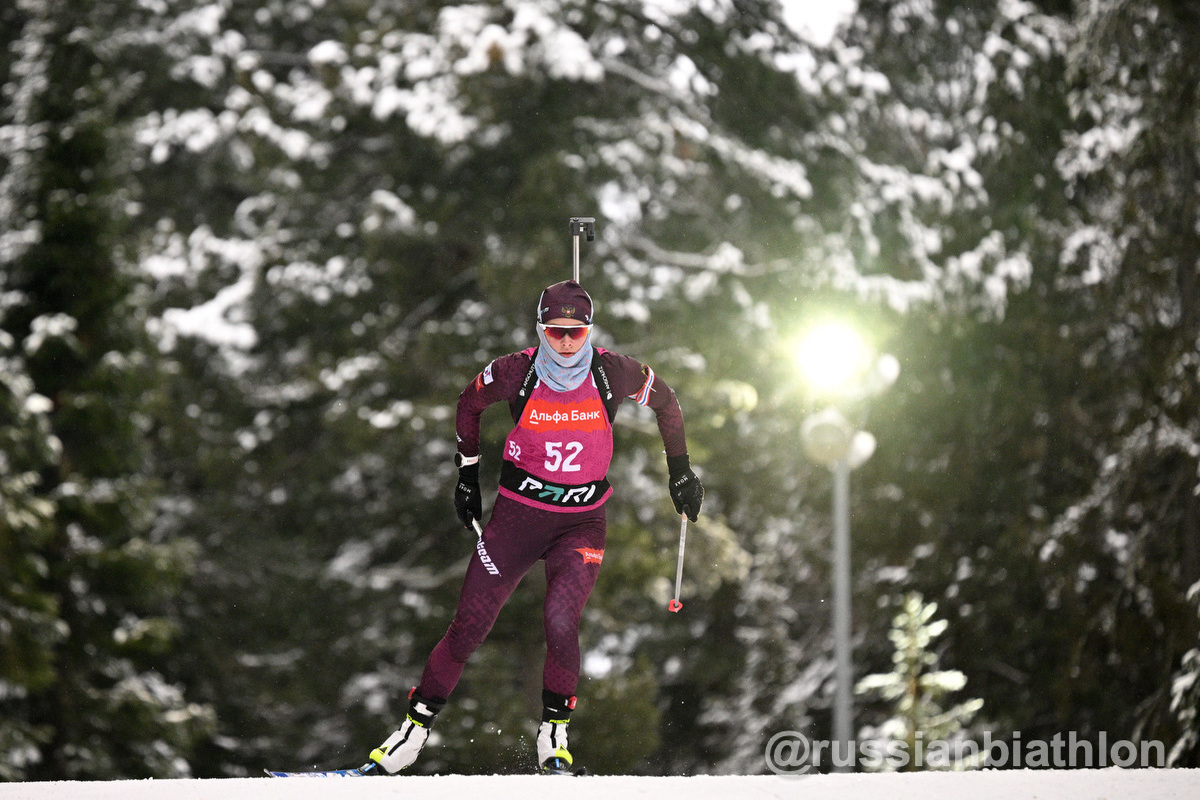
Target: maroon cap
[{"x": 565, "y": 300}]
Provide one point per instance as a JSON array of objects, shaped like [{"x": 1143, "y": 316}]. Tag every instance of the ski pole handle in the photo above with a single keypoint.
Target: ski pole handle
[
  {"x": 575, "y": 239},
  {"x": 675, "y": 605},
  {"x": 581, "y": 226},
  {"x": 478, "y": 530}
]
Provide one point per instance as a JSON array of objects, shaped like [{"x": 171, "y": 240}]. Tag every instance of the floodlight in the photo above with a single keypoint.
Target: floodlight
[{"x": 831, "y": 357}]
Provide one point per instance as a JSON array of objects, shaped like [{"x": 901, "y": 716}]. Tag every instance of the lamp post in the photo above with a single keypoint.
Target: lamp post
[
  {"x": 843, "y": 652},
  {"x": 831, "y": 441},
  {"x": 833, "y": 358}
]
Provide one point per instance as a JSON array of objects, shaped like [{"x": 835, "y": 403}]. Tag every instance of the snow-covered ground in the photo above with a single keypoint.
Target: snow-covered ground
[{"x": 1101, "y": 784}]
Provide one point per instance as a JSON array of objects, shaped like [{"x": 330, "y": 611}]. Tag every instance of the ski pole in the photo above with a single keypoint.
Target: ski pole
[
  {"x": 585, "y": 226},
  {"x": 675, "y": 605},
  {"x": 478, "y": 530}
]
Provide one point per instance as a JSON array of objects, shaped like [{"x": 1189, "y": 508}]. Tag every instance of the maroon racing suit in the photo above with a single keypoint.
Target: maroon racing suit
[{"x": 550, "y": 505}]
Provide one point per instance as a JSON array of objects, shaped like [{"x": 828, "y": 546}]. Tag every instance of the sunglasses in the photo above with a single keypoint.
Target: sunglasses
[{"x": 565, "y": 331}]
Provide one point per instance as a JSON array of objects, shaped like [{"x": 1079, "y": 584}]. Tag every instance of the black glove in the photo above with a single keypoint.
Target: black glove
[
  {"x": 468, "y": 502},
  {"x": 687, "y": 493}
]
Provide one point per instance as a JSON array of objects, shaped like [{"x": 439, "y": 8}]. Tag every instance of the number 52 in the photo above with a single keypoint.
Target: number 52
[{"x": 560, "y": 456}]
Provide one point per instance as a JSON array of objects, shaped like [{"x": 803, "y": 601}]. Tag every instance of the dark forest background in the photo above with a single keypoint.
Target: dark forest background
[{"x": 251, "y": 252}]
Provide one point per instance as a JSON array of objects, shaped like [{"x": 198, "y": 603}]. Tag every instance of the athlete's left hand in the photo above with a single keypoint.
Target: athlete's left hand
[
  {"x": 687, "y": 493},
  {"x": 468, "y": 501}
]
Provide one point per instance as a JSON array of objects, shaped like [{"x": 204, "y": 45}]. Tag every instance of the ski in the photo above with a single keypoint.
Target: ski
[
  {"x": 577, "y": 772},
  {"x": 357, "y": 772}
]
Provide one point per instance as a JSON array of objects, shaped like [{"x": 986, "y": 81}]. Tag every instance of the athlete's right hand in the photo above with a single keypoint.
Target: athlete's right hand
[
  {"x": 468, "y": 502},
  {"x": 687, "y": 493}
]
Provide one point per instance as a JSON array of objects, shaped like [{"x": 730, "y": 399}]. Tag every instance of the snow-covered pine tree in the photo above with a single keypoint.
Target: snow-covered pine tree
[
  {"x": 916, "y": 688},
  {"x": 31, "y": 627},
  {"x": 1185, "y": 702},
  {"x": 89, "y": 589}
]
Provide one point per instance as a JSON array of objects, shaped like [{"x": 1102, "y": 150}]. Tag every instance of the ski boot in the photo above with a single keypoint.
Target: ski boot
[
  {"x": 553, "y": 756},
  {"x": 404, "y": 745}
]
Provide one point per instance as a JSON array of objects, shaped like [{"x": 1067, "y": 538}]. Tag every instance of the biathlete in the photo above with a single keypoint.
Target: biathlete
[{"x": 553, "y": 487}]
